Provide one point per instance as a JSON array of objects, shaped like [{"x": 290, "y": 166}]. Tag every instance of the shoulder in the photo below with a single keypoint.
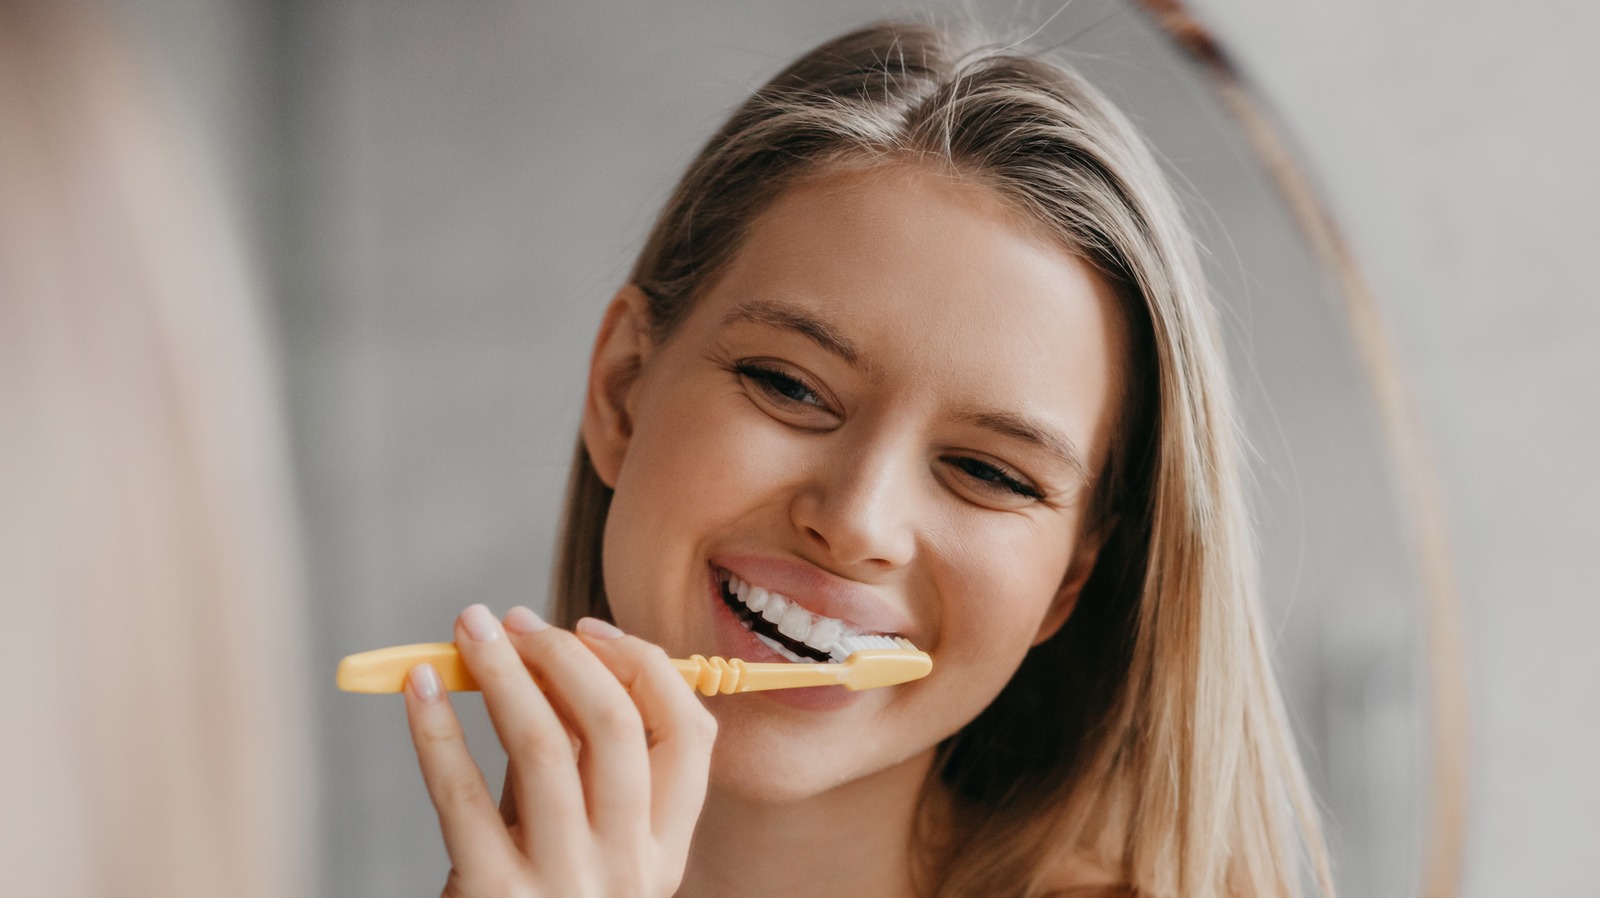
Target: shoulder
[{"x": 1095, "y": 892}]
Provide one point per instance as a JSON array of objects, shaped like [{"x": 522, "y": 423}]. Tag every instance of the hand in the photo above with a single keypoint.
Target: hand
[{"x": 607, "y": 765}]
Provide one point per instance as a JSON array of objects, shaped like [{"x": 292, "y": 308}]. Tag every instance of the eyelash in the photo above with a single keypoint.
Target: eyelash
[
  {"x": 993, "y": 477},
  {"x": 773, "y": 382},
  {"x": 778, "y": 386}
]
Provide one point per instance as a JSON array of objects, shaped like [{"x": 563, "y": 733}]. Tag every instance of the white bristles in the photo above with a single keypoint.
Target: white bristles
[{"x": 849, "y": 645}]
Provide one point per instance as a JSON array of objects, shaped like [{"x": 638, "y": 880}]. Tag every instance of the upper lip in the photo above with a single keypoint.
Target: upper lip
[{"x": 819, "y": 592}]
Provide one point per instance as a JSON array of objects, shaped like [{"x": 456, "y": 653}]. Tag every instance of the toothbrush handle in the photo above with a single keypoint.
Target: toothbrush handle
[
  {"x": 716, "y": 675},
  {"x": 384, "y": 670}
]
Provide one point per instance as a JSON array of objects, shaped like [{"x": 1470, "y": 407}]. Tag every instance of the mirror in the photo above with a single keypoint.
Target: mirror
[{"x": 447, "y": 196}]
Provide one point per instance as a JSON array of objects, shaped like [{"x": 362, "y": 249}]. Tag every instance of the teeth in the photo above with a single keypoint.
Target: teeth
[
  {"x": 795, "y": 623},
  {"x": 775, "y": 608},
  {"x": 825, "y": 634}
]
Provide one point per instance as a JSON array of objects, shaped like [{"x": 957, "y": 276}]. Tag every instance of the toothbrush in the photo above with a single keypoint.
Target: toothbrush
[{"x": 869, "y": 662}]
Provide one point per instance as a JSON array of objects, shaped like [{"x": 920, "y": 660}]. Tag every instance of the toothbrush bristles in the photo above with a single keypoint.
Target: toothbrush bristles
[{"x": 849, "y": 645}]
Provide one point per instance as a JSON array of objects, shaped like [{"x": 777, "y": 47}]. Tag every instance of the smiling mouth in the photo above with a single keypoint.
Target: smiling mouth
[{"x": 782, "y": 625}]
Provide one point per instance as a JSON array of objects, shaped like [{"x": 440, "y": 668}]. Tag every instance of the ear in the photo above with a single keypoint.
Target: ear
[
  {"x": 620, "y": 351},
  {"x": 1078, "y": 571}
]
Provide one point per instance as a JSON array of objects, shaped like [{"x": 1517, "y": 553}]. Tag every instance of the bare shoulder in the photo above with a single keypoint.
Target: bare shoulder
[{"x": 1095, "y": 892}]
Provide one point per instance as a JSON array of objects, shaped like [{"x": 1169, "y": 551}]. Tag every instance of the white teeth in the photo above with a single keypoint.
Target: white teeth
[
  {"x": 795, "y": 623},
  {"x": 824, "y": 633},
  {"x": 776, "y": 606}
]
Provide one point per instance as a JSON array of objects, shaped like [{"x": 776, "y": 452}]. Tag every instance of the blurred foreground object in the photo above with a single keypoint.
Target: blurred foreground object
[{"x": 153, "y": 722}]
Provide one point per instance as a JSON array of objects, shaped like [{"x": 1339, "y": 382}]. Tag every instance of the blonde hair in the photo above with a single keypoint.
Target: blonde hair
[
  {"x": 152, "y": 706},
  {"x": 1148, "y": 733}
]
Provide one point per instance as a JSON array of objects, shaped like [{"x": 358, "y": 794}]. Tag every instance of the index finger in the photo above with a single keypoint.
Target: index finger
[{"x": 474, "y": 837}]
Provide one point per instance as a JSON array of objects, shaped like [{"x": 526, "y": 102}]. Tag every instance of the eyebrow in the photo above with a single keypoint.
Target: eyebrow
[
  {"x": 793, "y": 318},
  {"x": 788, "y": 317},
  {"x": 1029, "y": 431}
]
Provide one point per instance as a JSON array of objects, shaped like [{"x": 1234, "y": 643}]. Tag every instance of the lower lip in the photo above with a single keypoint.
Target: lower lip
[{"x": 734, "y": 640}]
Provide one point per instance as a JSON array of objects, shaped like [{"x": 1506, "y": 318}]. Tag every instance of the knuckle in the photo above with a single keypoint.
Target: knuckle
[
  {"x": 491, "y": 669},
  {"x": 561, "y": 647},
  {"x": 703, "y": 725},
  {"x": 435, "y": 732},
  {"x": 643, "y": 650},
  {"x": 461, "y": 791},
  {"x": 659, "y": 873},
  {"x": 657, "y": 657},
  {"x": 633, "y": 875},
  {"x": 617, "y": 720},
  {"x": 545, "y": 752}
]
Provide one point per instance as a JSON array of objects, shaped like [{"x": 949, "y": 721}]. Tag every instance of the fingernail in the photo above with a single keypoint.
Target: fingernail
[
  {"x": 522, "y": 621},
  {"x": 480, "y": 624},
  {"x": 597, "y": 628},
  {"x": 425, "y": 682}
]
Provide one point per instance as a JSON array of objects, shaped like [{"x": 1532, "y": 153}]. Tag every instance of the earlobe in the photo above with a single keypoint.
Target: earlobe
[{"x": 621, "y": 349}]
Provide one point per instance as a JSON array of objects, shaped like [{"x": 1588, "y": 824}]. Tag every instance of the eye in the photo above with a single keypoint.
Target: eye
[
  {"x": 992, "y": 478},
  {"x": 780, "y": 387}
]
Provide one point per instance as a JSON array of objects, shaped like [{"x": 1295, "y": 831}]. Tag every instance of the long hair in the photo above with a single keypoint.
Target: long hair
[
  {"x": 1148, "y": 733},
  {"x": 154, "y": 725}
]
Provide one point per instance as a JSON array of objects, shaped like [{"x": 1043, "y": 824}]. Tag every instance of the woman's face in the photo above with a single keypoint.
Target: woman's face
[{"x": 887, "y": 411}]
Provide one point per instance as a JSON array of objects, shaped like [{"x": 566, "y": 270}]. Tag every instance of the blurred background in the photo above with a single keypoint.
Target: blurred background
[{"x": 438, "y": 199}]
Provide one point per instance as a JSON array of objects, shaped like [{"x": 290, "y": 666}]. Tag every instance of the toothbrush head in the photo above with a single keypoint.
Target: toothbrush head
[
  {"x": 849, "y": 645},
  {"x": 901, "y": 662}
]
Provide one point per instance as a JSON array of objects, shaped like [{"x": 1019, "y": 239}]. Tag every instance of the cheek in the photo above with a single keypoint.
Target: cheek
[
  {"x": 1002, "y": 579},
  {"x": 702, "y": 465},
  {"x": 702, "y": 454}
]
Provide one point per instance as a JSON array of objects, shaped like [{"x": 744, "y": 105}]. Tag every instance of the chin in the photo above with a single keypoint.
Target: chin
[{"x": 759, "y": 763}]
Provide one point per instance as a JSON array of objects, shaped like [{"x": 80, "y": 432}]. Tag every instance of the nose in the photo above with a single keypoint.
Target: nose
[{"x": 860, "y": 509}]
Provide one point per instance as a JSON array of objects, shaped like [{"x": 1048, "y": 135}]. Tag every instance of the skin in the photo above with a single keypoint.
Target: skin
[{"x": 892, "y": 470}]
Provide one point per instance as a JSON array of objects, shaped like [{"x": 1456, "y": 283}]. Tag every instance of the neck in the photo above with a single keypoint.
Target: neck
[{"x": 855, "y": 839}]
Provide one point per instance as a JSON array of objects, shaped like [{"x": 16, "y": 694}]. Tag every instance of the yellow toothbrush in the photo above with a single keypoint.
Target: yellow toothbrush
[{"x": 872, "y": 661}]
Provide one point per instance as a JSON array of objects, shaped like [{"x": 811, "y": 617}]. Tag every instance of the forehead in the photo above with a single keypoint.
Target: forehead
[{"x": 939, "y": 282}]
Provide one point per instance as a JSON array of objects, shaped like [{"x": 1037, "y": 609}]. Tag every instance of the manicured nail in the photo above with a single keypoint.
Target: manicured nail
[
  {"x": 480, "y": 624},
  {"x": 597, "y": 628},
  {"x": 425, "y": 682},
  {"x": 523, "y": 621}
]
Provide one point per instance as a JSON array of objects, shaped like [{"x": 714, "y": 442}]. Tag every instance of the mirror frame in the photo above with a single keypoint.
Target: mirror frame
[{"x": 1421, "y": 496}]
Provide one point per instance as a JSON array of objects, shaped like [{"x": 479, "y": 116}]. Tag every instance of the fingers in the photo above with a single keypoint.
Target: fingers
[
  {"x": 608, "y": 749},
  {"x": 680, "y": 730},
  {"x": 539, "y": 751},
  {"x": 614, "y": 760},
  {"x": 474, "y": 837}
]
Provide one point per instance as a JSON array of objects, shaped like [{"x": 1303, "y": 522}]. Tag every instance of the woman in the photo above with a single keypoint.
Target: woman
[{"x": 919, "y": 346}]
